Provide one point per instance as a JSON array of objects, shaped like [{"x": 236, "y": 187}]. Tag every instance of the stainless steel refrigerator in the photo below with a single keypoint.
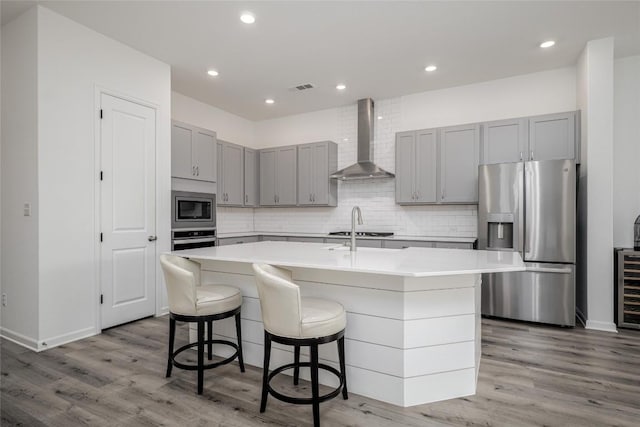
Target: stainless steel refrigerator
[{"x": 530, "y": 207}]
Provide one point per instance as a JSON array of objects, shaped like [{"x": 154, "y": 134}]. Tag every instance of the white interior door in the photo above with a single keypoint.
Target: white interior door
[{"x": 128, "y": 209}]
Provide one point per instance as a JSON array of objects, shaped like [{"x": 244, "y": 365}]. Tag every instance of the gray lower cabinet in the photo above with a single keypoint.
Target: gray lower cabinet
[
  {"x": 403, "y": 244},
  {"x": 230, "y": 174},
  {"x": 453, "y": 245},
  {"x": 552, "y": 136},
  {"x": 278, "y": 176},
  {"x": 459, "y": 159},
  {"x": 505, "y": 141},
  {"x": 225, "y": 241},
  {"x": 316, "y": 161},
  {"x": 416, "y": 166},
  {"x": 306, "y": 239},
  {"x": 273, "y": 238},
  {"x": 193, "y": 152},
  {"x": 251, "y": 178}
]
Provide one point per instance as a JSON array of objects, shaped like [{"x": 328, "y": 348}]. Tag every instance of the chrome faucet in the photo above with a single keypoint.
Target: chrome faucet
[{"x": 354, "y": 211}]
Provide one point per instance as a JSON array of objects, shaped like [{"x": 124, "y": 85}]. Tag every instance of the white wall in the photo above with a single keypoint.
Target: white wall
[
  {"x": 20, "y": 179},
  {"x": 227, "y": 126},
  {"x": 626, "y": 154},
  {"x": 596, "y": 99},
  {"x": 531, "y": 94},
  {"x": 73, "y": 64}
]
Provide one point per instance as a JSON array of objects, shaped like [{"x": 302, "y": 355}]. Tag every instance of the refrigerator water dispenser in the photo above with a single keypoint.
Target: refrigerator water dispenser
[{"x": 500, "y": 231}]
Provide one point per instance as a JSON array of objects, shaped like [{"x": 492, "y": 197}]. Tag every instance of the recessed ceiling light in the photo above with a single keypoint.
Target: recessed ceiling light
[
  {"x": 269, "y": 101},
  {"x": 380, "y": 117},
  {"x": 547, "y": 44},
  {"x": 341, "y": 87},
  {"x": 212, "y": 73},
  {"x": 247, "y": 18},
  {"x": 430, "y": 68}
]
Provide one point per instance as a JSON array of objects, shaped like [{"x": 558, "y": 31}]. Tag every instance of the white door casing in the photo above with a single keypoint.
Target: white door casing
[{"x": 128, "y": 210}]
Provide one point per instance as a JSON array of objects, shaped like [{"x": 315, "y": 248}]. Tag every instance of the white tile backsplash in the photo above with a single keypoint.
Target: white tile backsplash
[{"x": 375, "y": 197}]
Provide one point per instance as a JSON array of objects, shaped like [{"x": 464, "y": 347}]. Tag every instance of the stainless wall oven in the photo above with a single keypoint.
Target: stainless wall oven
[
  {"x": 193, "y": 210},
  {"x": 193, "y": 238}
]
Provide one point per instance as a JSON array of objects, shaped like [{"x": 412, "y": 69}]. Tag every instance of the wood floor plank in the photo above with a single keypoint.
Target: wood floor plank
[{"x": 530, "y": 375}]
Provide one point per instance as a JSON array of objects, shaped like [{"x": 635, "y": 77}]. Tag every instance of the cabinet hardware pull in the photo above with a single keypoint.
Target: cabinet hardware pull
[
  {"x": 443, "y": 194},
  {"x": 246, "y": 198},
  {"x": 310, "y": 199},
  {"x": 198, "y": 170},
  {"x": 531, "y": 154},
  {"x": 193, "y": 170},
  {"x": 521, "y": 155}
]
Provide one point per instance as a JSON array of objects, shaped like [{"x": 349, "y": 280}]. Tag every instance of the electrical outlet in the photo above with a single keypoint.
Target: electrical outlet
[
  {"x": 4, "y": 300},
  {"x": 26, "y": 209}
]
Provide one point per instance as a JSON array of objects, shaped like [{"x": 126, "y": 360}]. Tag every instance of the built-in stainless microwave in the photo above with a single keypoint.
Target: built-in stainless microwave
[{"x": 193, "y": 210}]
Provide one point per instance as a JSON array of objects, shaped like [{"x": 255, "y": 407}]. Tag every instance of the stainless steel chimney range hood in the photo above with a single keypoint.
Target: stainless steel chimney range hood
[{"x": 364, "y": 168}]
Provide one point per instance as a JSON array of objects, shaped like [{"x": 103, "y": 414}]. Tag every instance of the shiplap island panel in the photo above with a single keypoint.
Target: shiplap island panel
[{"x": 413, "y": 315}]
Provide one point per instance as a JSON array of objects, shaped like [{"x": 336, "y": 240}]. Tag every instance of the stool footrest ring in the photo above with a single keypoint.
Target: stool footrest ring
[
  {"x": 210, "y": 365},
  {"x": 304, "y": 400}
]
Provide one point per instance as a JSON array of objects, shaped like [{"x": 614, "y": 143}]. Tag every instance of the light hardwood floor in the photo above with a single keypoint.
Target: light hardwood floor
[{"x": 529, "y": 375}]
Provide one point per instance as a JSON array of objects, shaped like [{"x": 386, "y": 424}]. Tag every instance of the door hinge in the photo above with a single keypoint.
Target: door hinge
[
  {"x": 101, "y": 299},
  {"x": 101, "y": 237},
  {"x": 101, "y": 113},
  {"x": 101, "y": 176}
]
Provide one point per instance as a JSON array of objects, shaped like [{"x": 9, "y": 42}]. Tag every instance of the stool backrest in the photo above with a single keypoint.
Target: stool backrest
[
  {"x": 181, "y": 277},
  {"x": 279, "y": 300}
]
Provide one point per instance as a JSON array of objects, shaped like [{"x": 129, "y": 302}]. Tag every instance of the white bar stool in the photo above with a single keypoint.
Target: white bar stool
[
  {"x": 291, "y": 320},
  {"x": 190, "y": 301}
]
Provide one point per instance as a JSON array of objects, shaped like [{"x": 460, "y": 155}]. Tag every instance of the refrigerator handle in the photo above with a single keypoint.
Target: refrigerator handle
[{"x": 565, "y": 270}]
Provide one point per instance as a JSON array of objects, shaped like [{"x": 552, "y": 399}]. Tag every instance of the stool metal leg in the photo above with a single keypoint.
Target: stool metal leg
[
  {"x": 296, "y": 360},
  {"x": 315, "y": 389},
  {"x": 210, "y": 338},
  {"x": 172, "y": 337},
  {"x": 265, "y": 371},
  {"x": 200, "y": 355},
  {"x": 239, "y": 335},
  {"x": 343, "y": 368}
]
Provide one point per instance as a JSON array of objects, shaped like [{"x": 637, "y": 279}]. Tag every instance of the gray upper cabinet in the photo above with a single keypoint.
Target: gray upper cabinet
[
  {"x": 251, "y": 183},
  {"x": 230, "y": 174},
  {"x": 193, "y": 152},
  {"x": 504, "y": 141},
  {"x": 459, "y": 158},
  {"x": 416, "y": 166},
  {"x": 278, "y": 176},
  {"x": 316, "y": 161},
  {"x": 552, "y": 136}
]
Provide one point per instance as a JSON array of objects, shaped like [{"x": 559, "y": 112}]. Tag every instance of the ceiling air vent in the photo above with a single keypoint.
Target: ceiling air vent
[{"x": 305, "y": 86}]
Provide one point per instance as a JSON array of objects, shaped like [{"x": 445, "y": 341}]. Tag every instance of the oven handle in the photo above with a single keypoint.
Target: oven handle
[{"x": 187, "y": 241}]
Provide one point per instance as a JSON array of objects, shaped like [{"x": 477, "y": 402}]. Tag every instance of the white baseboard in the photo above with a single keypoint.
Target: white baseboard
[
  {"x": 23, "y": 340},
  {"x": 52, "y": 342},
  {"x": 601, "y": 326}
]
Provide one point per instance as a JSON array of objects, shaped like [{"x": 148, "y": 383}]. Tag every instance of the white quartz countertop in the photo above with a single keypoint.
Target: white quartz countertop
[
  {"x": 327, "y": 236},
  {"x": 411, "y": 262}
]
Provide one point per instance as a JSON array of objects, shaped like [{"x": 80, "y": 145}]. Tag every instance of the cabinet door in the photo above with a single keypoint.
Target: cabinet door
[
  {"x": 552, "y": 137},
  {"x": 404, "y": 244},
  {"x": 268, "y": 177},
  {"x": 504, "y": 141},
  {"x": 181, "y": 166},
  {"x": 405, "y": 167},
  {"x": 426, "y": 161},
  {"x": 203, "y": 155},
  {"x": 320, "y": 193},
  {"x": 459, "y": 155},
  {"x": 250, "y": 177},
  {"x": 306, "y": 174},
  {"x": 286, "y": 175},
  {"x": 232, "y": 174}
]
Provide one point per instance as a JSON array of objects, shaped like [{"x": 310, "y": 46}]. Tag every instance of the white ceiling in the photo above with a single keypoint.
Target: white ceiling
[{"x": 378, "y": 49}]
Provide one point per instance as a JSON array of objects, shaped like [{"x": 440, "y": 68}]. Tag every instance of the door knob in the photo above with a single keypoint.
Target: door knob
[{"x": 153, "y": 238}]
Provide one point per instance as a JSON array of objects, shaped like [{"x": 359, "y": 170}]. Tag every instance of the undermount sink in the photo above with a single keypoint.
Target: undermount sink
[{"x": 343, "y": 248}]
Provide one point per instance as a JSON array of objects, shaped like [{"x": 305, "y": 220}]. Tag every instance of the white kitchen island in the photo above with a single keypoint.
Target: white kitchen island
[{"x": 413, "y": 315}]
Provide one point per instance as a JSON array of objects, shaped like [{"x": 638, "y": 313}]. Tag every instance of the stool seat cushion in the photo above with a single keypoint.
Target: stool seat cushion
[
  {"x": 216, "y": 299},
  {"x": 321, "y": 318}
]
